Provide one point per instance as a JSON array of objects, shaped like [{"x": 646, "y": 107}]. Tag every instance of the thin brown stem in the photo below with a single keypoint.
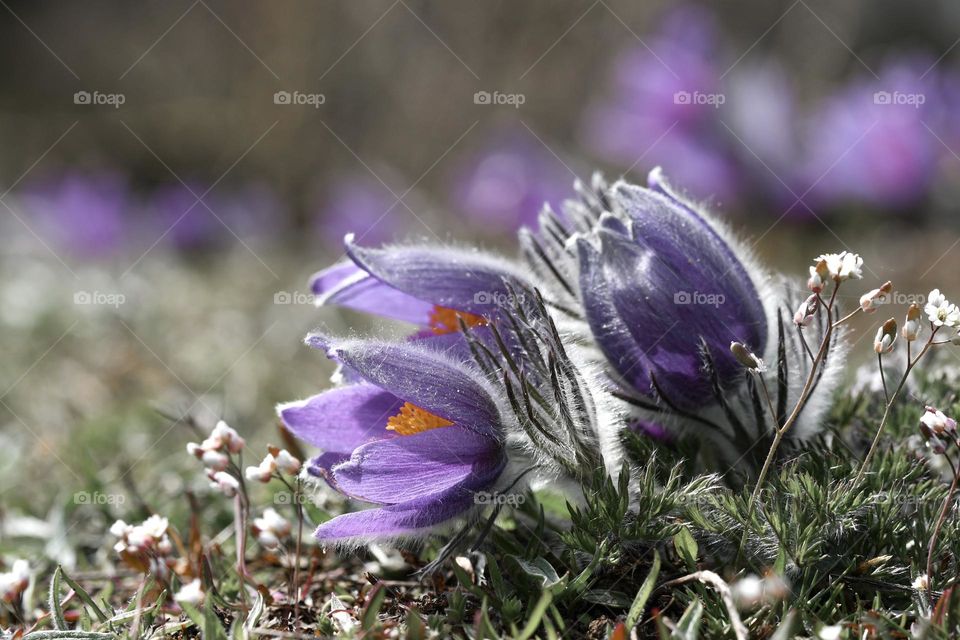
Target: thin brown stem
[{"x": 886, "y": 412}]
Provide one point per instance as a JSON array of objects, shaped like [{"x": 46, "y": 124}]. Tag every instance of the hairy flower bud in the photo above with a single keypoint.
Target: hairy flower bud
[
  {"x": 806, "y": 311},
  {"x": 819, "y": 275},
  {"x": 912, "y": 326},
  {"x": 886, "y": 337},
  {"x": 870, "y": 300},
  {"x": 746, "y": 358}
]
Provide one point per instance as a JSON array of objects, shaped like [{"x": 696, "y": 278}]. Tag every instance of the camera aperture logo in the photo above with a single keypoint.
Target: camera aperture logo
[
  {"x": 99, "y": 298},
  {"x": 97, "y": 98},
  {"x": 699, "y": 98},
  {"x": 899, "y": 98},
  {"x": 699, "y": 299},
  {"x": 299, "y": 98},
  {"x": 497, "y": 98}
]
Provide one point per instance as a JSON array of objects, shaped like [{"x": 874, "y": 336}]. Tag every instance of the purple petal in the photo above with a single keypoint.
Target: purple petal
[
  {"x": 348, "y": 285},
  {"x": 611, "y": 334},
  {"x": 444, "y": 386},
  {"x": 411, "y": 517},
  {"x": 410, "y": 467},
  {"x": 342, "y": 419},
  {"x": 454, "y": 278}
]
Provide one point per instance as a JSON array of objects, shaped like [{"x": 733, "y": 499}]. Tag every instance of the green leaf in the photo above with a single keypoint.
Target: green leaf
[
  {"x": 371, "y": 611},
  {"x": 56, "y": 610},
  {"x": 212, "y": 627},
  {"x": 686, "y": 546},
  {"x": 640, "y": 602},
  {"x": 688, "y": 627},
  {"x": 540, "y": 570},
  {"x": 74, "y": 635},
  {"x": 784, "y": 631},
  {"x": 83, "y": 595},
  {"x": 533, "y": 622}
]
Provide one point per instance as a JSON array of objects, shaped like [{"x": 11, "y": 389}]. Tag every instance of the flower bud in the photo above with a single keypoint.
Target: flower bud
[
  {"x": 934, "y": 422},
  {"x": 746, "y": 358},
  {"x": 870, "y": 300},
  {"x": 264, "y": 471},
  {"x": 287, "y": 463},
  {"x": 215, "y": 460},
  {"x": 806, "y": 311},
  {"x": 819, "y": 274},
  {"x": 886, "y": 337},
  {"x": 224, "y": 482},
  {"x": 912, "y": 326}
]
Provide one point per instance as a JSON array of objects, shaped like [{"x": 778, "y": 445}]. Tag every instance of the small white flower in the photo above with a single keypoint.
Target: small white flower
[
  {"x": 832, "y": 632},
  {"x": 264, "y": 471},
  {"x": 15, "y": 581},
  {"x": 156, "y": 526},
  {"x": 271, "y": 528},
  {"x": 287, "y": 463},
  {"x": 215, "y": 460},
  {"x": 936, "y": 422},
  {"x": 224, "y": 482},
  {"x": 842, "y": 266},
  {"x": 190, "y": 593},
  {"x": 921, "y": 583},
  {"x": 940, "y": 311},
  {"x": 229, "y": 438}
]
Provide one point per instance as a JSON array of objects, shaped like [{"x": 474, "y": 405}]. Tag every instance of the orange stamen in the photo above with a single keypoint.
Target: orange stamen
[
  {"x": 412, "y": 420},
  {"x": 444, "y": 320}
]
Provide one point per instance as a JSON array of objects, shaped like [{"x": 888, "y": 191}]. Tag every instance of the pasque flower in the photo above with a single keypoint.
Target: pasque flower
[{"x": 418, "y": 434}]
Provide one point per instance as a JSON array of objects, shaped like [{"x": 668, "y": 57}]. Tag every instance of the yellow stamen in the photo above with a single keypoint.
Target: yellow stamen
[
  {"x": 412, "y": 420},
  {"x": 444, "y": 320}
]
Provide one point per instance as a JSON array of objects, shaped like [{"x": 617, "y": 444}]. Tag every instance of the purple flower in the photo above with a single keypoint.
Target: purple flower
[
  {"x": 87, "y": 213},
  {"x": 429, "y": 287},
  {"x": 868, "y": 143},
  {"x": 504, "y": 186},
  {"x": 656, "y": 109},
  {"x": 664, "y": 294},
  {"x": 419, "y": 434}
]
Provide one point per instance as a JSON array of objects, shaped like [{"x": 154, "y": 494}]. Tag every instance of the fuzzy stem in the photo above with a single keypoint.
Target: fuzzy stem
[
  {"x": 883, "y": 378},
  {"x": 940, "y": 521}
]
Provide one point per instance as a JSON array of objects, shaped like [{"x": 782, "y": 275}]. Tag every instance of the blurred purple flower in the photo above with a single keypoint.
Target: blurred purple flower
[
  {"x": 88, "y": 214},
  {"x": 868, "y": 142},
  {"x": 665, "y": 106},
  {"x": 192, "y": 220},
  {"x": 360, "y": 205},
  {"x": 503, "y": 186},
  {"x": 418, "y": 434}
]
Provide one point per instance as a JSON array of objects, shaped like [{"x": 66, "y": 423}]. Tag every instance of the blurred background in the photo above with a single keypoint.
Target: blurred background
[{"x": 172, "y": 172}]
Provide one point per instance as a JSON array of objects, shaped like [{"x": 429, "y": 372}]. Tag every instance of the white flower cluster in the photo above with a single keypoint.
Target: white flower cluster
[
  {"x": 835, "y": 267},
  {"x": 146, "y": 542},
  {"x": 271, "y": 528},
  {"x": 14, "y": 582},
  {"x": 214, "y": 451},
  {"x": 940, "y": 311},
  {"x": 276, "y": 460},
  {"x": 751, "y": 590}
]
